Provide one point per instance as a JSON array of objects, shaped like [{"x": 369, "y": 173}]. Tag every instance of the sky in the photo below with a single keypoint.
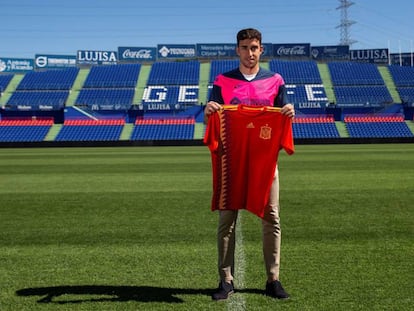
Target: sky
[{"x": 29, "y": 27}]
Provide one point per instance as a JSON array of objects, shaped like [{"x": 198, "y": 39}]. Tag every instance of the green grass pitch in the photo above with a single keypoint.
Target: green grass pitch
[{"x": 130, "y": 228}]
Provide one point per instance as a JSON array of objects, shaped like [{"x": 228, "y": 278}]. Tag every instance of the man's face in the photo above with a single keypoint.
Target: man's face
[{"x": 249, "y": 51}]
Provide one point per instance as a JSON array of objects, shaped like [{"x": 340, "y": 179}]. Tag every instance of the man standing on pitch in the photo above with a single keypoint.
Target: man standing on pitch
[{"x": 252, "y": 86}]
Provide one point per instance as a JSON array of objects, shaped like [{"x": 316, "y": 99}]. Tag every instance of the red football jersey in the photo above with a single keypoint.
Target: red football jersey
[{"x": 244, "y": 142}]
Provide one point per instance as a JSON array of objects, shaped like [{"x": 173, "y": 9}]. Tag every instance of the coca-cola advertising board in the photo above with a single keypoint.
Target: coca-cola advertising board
[
  {"x": 291, "y": 50},
  {"x": 137, "y": 54}
]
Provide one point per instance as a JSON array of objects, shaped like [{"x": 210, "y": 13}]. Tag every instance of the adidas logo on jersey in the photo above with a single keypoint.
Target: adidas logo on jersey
[{"x": 250, "y": 125}]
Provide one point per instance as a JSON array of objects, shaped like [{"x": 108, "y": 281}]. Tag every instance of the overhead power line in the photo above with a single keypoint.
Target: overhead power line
[{"x": 346, "y": 23}]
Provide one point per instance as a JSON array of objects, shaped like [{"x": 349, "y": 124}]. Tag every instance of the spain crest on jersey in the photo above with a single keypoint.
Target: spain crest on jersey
[{"x": 265, "y": 132}]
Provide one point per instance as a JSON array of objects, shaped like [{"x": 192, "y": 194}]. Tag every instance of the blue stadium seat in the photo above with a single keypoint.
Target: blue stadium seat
[
  {"x": 297, "y": 72},
  {"x": 163, "y": 129},
  {"x": 362, "y": 96},
  {"x": 163, "y": 132},
  {"x": 89, "y": 133},
  {"x": 378, "y": 129},
  {"x": 113, "y": 76},
  {"x": 406, "y": 94},
  {"x": 377, "y": 126},
  {"x": 35, "y": 99},
  {"x": 110, "y": 97},
  {"x": 171, "y": 87},
  {"x": 4, "y": 81},
  {"x": 403, "y": 76},
  {"x": 43, "y": 90},
  {"x": 315, "y": 130},
  {"x": 174, "y": 73},
  {"x": 17, "y": 133},
  {"x": 58, "y": 79},
  {"x": 353, "y": 74}
]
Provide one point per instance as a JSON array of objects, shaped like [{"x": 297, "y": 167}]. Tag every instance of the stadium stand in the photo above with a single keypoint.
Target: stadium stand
[
  {"x": 163, "y": 129},
  {"x": 102, "y": 97},
  {"x": 113, "y": 76},
  {"x": 91, "y": 130},
  {"x": 37, "y": 100},
  {"x": 174, "y": 73},
  {"x": 4, "y": 81},
  {"x": 314, "y": 127},
  {"x": 109, "y": 87},
  {"x": 303, "y": 82},
  {"x": 404, "y": 81},
  {"x": 358, "y": 85},
  {"x": 170, "y": 107},
  {"x": 43, "y": 90},
  {"x": 297, "y": 72},
  {"x": 172, "y": 88},
  {"x": 352, "y": 73},
  {"x": 402, "y": 76},
  {"x": 374, "y": 95},
  {"x": 22, "y": 130},
  {"x": 59, "y": 79},
  {"x": 377, "y": 126}
]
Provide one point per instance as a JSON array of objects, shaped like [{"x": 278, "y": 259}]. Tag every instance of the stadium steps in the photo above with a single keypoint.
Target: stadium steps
[
  {"x": 342, "y": 130},
  {"x": 126, "y": 131},
  {"x": 199, "y": 130},
  {"x": 410, "y": 125},
  {"x": 77, "y": 86},
  {"x": 141, "y": 84},
  {"x": 53, "y": 132},
  {"x": 389, "y": 82},
  {"x": 11, "y": 88},
  {"x": 327, "y": 82},
  {"x": 203, "y": 84},
  {"x": 202, "y": 96}
]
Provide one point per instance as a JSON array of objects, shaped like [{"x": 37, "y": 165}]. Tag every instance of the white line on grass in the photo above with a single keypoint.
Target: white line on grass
[{"x": 237, "y": 302}]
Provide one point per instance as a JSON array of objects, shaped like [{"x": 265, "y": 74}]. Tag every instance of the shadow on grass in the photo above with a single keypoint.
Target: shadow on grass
[{"x": 115, "y": 293}]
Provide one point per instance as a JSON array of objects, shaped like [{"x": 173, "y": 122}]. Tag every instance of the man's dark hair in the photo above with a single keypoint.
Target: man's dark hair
[{"x": 249, "y": 33}]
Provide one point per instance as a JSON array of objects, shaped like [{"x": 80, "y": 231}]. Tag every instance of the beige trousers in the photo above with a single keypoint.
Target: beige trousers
[{"x": 226, "y": 237}]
